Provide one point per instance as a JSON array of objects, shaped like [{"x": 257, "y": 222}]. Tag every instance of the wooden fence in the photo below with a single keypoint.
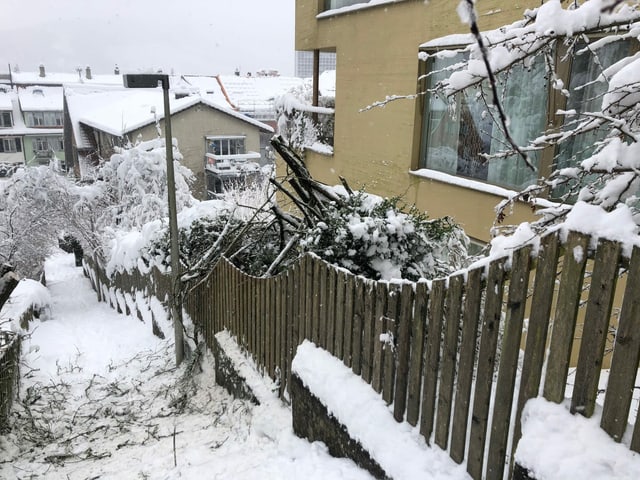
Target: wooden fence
[
  {"x": 447, "y": 354},
  {"x": 9, "y": 359}
]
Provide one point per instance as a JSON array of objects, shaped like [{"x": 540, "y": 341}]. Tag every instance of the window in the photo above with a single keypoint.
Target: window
[
  {"x": 48, "y": 144},
  {"x": 226, "y": 145},
  {"x": 44, "y": 119},
  {"x": 459, "y": 133},
  {"x": 5, "y": 119},
  {"x": 40, "y": 144},
  {"x": 10, "y": 145},
  {"x": 588, "y": 98}
]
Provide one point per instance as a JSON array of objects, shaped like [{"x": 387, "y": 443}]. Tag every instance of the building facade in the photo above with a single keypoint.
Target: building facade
[
  {"x": 388, "y": 150},
  {"x": 215, "y": 142}
]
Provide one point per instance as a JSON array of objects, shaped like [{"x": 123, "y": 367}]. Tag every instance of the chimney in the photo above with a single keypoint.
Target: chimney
[
  {"x": 42, "y": 72},
  {"x": 88, "y": 72},
  {"x": 116, "y": 70}
]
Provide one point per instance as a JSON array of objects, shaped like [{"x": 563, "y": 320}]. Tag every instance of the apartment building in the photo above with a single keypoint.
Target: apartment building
[{"x": 412, "y": 147}]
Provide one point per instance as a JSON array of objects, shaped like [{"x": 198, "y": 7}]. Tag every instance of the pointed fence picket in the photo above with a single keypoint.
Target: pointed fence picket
[{"x": 448, "y": 354}]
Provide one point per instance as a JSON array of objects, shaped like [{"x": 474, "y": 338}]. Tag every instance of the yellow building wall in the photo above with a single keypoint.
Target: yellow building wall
[{"x": 377, "y": 55}]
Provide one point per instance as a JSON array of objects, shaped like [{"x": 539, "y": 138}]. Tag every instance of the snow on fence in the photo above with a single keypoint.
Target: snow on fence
[
  {"x": 9, "y": 358},
  {"x": 455, "y": 357}
]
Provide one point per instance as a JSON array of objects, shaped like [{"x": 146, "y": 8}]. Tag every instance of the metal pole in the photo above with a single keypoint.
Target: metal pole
[{"x": 176, "y": 304}]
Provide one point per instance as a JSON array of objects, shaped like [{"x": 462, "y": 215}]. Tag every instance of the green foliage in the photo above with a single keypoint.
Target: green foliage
[{"x": 374, "y": 238}]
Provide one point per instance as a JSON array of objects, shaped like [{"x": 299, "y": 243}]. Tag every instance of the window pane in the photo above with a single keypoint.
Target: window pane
[
  {"x": 525, "y": 104},
  {"x": 587, "y": 98},
  {"x": 442, "y": 128}
]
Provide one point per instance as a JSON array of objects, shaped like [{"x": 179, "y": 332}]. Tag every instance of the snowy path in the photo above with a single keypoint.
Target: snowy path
[{"x": 100, "y": 399}]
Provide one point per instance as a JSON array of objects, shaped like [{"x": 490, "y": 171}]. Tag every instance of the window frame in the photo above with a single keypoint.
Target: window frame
[
  {"x": 6, "y": 142},
  {"x": 4, "y": 114},
  {"x": 228, "y": 139},
  {"x": 39, "y": 119}
]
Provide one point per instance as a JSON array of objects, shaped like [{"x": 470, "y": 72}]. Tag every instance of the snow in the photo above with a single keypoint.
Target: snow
[
  {"x": 255, "y": 96},
  {"x": 107, "y": 402},
  {"x": 28, "y": 293},
  {"x": 558, "y": 445},
  {"x": 617, "y": 225},
  {"x": 40, "y": 99},
  {"x": 397, "y": 447},
  {"x": 120, "y": 111},
  {"x": 58, "y": 78}
]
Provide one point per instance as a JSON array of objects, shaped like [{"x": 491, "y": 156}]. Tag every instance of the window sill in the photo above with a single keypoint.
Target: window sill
[
  {"x": 473, "y": 185},
  {"x": 354, "y": 8},
  {"x": 320, "y": 149}
]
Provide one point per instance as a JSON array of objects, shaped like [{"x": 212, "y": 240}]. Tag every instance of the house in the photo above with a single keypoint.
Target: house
[
  {"x": 11, "y": 153},
  {"x": 41, "y": 109},
  {"x": 32, "y": 118},
  {"x": 31, "y": 127},
  {"x": 218, "y": 144},
  {"x": 412, "y": 147}
]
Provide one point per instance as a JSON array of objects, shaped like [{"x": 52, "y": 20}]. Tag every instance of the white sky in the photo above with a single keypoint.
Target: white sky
[{"x": 189, "y": 36}]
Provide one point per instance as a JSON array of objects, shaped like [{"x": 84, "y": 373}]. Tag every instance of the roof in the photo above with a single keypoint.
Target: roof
[
  {"x": 40, "y": 98},
  {"x": 5, "y": 100},
  {"x": 55, "y": 78},
  {"x": 118, "y": 111},
  {"x": 256, "y": 96}
]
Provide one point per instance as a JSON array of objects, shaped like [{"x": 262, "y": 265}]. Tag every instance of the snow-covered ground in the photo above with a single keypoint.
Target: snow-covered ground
[{"x": 101, "y": 398}]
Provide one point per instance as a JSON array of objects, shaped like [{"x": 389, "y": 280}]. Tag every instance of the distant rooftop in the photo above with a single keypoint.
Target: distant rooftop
[{"x": 40, "y": 98}]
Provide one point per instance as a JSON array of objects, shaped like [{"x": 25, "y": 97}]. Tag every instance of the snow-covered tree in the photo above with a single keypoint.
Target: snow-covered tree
[
  {"x": 597, "y": 160},
  {"x": 303, "y": 125},
  {"x": 37, "y": 205}
]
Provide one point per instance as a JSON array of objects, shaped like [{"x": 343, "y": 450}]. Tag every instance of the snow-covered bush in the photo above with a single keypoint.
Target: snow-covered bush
[
  {"x": 373, "y": 237},
  {"x": 134, "y": 185},
  {"x": 35, "y": 205}
]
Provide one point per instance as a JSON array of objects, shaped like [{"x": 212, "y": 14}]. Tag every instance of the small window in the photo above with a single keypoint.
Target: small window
[
  {"x": 226, "y": 146},
  {"x": 6, "y": 119}
]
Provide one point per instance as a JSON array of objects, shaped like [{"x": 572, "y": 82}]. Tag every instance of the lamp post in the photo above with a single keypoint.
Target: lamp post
[{"x": 144, "y": 80}]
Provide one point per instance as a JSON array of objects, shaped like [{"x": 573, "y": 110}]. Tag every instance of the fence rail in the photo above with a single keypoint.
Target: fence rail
[
  {"x": 9, "y": 363},
  {"x": 448, "y": 353}
]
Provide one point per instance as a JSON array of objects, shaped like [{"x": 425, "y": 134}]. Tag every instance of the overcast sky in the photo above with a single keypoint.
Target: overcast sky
[{"x": 189, "y": 36}]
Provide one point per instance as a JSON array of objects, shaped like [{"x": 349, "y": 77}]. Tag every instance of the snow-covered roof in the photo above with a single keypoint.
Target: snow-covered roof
[
  {"x": 256, "y": 96},
  {"x": 55, "y": 78},
  {"x": 6, "y": 100},
  {"x": 118, "y": 111},
  {"x": 40, "y": 98}
]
